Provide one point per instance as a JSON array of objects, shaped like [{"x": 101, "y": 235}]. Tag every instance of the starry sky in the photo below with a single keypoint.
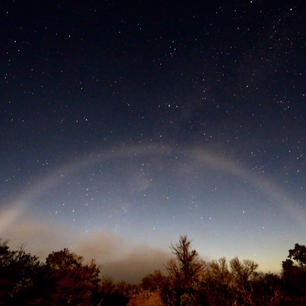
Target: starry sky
[{"x": 126, "y": 124}]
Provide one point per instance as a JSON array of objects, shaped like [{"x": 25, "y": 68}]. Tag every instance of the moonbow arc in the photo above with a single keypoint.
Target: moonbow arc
[{"x": 17, "y": 206}]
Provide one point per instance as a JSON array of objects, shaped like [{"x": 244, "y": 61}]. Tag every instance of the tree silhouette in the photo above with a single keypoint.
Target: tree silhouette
[
  {"x": 187, "y": 266},
  {"x": 115, "y": 294},
  {"x": 64, "y": 279},
  {"x": 183, "y": 275},
  {"x": 298, "y": 254},
  {"x": 216, "y": 283},
  {"x": 73, "y": 282},
  {"x": 294, "y": 271},
  {"x": 18, "y": 276},
  {"x": 153, "y": 281},
  {"x": 243, "y": 273}
]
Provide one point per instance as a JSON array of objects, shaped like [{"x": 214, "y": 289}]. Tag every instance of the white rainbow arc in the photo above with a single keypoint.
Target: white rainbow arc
[{"x": 17, "y": 206}]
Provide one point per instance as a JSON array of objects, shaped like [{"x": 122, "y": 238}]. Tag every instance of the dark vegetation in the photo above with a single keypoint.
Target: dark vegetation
[{"x": 64, "y": 279}]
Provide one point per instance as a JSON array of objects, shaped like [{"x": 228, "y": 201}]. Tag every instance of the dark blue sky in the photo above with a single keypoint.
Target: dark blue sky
[{"x": 152, "y": 119}]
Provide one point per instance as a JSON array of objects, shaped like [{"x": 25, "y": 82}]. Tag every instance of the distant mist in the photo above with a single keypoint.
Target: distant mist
[{"x": 118, "y": 258}]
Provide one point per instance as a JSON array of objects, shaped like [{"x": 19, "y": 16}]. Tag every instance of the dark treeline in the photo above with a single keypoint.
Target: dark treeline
[{"x": 65, "y": 279}]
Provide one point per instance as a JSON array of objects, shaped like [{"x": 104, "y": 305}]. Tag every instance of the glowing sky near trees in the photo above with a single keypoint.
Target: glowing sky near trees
[{"x": 125, "y": 127}]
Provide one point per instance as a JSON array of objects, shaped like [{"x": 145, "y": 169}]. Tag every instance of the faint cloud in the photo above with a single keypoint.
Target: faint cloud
[
  {"x": 118, "y": 258},
  {"x": 38, "y": 237},
  {"x": 139, "y": 262},
  {"x": 102, "y": 246}
]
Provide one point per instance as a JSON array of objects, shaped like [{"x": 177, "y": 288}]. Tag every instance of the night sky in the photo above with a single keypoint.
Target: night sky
[{"x": 125, "y": 124}]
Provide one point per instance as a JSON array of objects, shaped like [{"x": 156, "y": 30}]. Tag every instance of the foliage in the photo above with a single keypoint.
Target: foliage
[
  {"x": 294, "y": 272},
  {"x": 73, "y": 283},
  {"x": 183, "y": 275},
  {"x": 19, "y": 274},
  {"x": 299, "y": 255},
  {"x": 153, "y": 281},
  {"x": 64, "y": 279},
  {"x": 114, "y": 294}
]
